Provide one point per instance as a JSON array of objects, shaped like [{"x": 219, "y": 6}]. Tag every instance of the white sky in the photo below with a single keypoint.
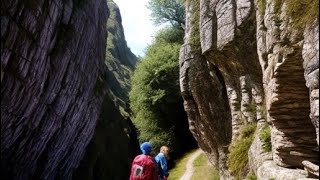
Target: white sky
[{"x": 138, "y": 28}]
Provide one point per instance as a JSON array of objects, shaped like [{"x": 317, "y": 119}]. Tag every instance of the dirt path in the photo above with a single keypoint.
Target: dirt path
[{"x": 189, "y": 171}]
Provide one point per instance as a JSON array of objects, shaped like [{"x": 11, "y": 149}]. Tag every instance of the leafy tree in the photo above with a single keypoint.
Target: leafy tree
[
  {"x": 170, "y": 35},
  {"x": 155, "y": 97},
  {"x": 171, "y": 11}
]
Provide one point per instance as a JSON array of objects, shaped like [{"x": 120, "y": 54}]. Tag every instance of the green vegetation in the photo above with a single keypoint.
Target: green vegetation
[
  {"x": 251, "y": 176},
  {"x": 204, "y": 171},
  {"x": 194, "y": 39},
  {"x": 277, "y": 5},
  {"x": 302, "y": 12},
  {"x": 252, "y": 107},
  {"x": 238, "y": 157},
  {"x": 155, "y": 93},
  {"x": 171, "y": 11},
  {"x": 170, "y": 35},
  {"x": 155, "y": 98},
  {"x": 180, "y": 166},
  {"x": 119, "y": 60},
  {"x": 264, "y": 111},
  {"x": 262, "y": 6},
  {"x": 265, "y": 137}
]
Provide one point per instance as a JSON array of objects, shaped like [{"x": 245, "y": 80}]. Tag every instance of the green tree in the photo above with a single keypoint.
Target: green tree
[
  {"x": 171, "y": 11},
  {"x": 155, "y": 98}
]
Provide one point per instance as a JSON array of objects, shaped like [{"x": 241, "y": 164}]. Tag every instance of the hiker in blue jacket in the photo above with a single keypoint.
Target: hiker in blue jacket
[{"x": 161, "y": 160}]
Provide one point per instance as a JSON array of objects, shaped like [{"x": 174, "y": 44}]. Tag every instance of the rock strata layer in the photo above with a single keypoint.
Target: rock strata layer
[
  {"x": 57, "y": 113},
  {"x": 249, "y": 51}
]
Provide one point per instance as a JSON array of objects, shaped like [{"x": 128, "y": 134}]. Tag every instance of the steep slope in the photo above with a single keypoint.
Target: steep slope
[
  {"x": 57, "y": 108},
  {"x": 119, "y": 58},
  {"x": 236, "y": 64},
  {"x": 114, "y": 144}
]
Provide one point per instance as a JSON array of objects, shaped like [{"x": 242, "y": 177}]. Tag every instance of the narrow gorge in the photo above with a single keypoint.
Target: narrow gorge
[{"x": 248, "y": 72}]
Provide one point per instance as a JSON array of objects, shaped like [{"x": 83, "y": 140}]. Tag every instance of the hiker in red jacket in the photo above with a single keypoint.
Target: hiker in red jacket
[{"x": 143, "y": 166}]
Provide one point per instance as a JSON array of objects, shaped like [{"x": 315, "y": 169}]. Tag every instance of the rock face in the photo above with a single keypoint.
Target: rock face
[
  {"x": 56, "y": 109},
  {"x": 119, "y": 58},
  {"x": 310, "y": 55},
  {"x": 264, "y": 68},
  {"x": 114, "y": 144},
  {"x": 287, "y": 97}
]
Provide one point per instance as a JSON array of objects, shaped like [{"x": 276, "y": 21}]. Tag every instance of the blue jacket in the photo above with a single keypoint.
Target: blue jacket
[{"x": 161, "y": 161}]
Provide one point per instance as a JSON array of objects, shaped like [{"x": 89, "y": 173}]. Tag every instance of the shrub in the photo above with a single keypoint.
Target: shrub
[
  {"x": 155, "y": 97},
  {"x": 238, "y": 156},
  {"x": 262, "y": 6},
  {"x": 251, "y": 176},
  {"x": 265, "y": 137},
  {"x": 252, "y": 107},
  {"x": 194, "y": 39},
  {"x": 302, "y": 12}
]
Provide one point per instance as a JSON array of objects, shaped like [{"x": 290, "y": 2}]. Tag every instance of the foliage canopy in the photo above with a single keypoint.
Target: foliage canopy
[
  {"x": 171, "y": 11},
  {"x": 155, "y": 97}
]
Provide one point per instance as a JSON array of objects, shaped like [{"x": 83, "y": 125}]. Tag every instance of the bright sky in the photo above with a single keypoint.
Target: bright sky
[{"x": 138, "y": 28}]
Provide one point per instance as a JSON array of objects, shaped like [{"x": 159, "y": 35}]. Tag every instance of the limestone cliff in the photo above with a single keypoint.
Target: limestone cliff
[
  {"x": 57, "y": 111},
  {"x": 244, "y": 61}
]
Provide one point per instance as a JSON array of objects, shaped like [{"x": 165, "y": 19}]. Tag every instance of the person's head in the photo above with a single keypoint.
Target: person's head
[
  {"x": 165, "y": 151},
  {"x": 146, "y": 148}
]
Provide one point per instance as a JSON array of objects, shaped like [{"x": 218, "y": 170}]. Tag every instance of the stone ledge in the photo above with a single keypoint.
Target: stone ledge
[{"x": 269, "y": 170}]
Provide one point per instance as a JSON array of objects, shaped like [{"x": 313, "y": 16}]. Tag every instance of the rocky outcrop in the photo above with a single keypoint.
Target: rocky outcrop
[
  {"x": 232, "y": 76},
  {"x": 206, "y": 116},
  {"x": 287, "y": 97},
  {"x": 310, "y": 55},
  {"x": 267, "y": 68},
  {"x": 54, "y": 88}
]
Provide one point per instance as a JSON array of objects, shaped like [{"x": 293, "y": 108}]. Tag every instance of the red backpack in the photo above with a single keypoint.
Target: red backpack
[{"x": 143, "y": 168}]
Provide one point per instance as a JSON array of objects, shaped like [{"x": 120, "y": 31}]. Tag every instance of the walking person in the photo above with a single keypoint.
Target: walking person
[
  {"x": 144, "y": 166},
  {"x": 161, "y": 160}
]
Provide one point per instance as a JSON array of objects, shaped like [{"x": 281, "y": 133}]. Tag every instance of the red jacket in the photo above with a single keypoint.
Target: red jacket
[{"x": 144, "y": 168}]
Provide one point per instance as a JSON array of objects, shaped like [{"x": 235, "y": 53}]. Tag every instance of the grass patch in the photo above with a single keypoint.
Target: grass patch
[
  {"x": 203, "y": 171},
  {"x": 194, "y": 39},
  {"x": 247, "y": 131},
  {"x": 238, "y": 157},
  {"x": 251, "y": 176},
  {"x": 302, "y": 12},
  {"x": 252, "y": 107},
  {"x": 262, "y": 6},
  {"x": 264, "y": 111},
  {"x": 180, "y": 166},
  {"x": 265, "y": 137}
]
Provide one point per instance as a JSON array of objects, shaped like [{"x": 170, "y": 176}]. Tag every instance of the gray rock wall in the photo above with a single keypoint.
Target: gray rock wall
[
  {"x": 269, "y": 72},
  {"x": 287, "y": 96},
  {"x": 220, "y": 92},
  {"x": 50, "y": 50},
  {"x": 58, "y": 120},
  {"x": 310, "y": 55}
]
